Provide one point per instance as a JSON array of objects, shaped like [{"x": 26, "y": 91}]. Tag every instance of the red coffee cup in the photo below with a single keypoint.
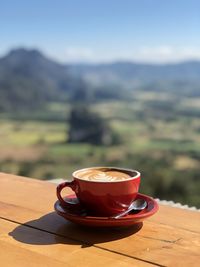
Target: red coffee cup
[{"x": 102, "y": 198}]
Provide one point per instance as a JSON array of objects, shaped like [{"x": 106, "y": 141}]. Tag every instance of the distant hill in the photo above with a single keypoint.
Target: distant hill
[
  {"x": 134, "y": 74},
  {"x": 28, "y": 79},
  {"x": 180, "y": 78}
]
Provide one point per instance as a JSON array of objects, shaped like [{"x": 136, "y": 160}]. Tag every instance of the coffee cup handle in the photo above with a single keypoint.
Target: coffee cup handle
[{"x": 67, "y": 202}]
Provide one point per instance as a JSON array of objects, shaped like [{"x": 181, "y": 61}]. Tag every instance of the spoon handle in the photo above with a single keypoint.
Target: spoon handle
[{"x": 121, "y": 214}]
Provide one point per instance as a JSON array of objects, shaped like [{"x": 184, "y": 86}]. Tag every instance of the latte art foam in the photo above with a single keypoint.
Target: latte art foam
[{"x": 103, "y": 176}]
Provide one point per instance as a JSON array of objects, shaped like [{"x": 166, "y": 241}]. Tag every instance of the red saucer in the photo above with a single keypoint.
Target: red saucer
[{"x": 128, "y": 220}]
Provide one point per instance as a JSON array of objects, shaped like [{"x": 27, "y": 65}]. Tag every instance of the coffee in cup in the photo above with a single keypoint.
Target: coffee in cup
[
  {"x": 102, "y": 191},
  {"x": 103, "y": 175}
]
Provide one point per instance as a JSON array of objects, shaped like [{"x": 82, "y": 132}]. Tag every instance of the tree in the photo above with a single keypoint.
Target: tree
[{"x": 88, "y": 127}]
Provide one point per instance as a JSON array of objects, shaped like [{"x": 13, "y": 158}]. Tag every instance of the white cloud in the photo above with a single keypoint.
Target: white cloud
[
  {"x": 74, "y": 53},
  {"x": 151, "y": 54},
  {"x": 166, "y": 53},
  {"x": 156, "y": 51}
]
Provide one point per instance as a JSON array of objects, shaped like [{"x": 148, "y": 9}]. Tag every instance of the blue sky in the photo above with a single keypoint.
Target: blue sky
[{"x": 103, "y": 30}]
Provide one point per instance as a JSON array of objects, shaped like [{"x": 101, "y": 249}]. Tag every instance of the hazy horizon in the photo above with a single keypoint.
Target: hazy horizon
[{"x": 51, "y": 57}]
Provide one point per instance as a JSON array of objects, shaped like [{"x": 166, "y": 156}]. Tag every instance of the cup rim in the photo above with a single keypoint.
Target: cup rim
[{"x": 137, "y": 174}]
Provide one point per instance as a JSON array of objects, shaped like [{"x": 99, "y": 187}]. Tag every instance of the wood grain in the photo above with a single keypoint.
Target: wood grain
[
  {"x": 24, "y": 246},
  {"x": 28, "y": 189},
  {"x": 169, "y": 238}
]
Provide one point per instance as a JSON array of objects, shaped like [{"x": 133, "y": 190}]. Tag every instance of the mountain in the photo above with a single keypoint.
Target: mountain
[
  {"x": 29, "y": 80},
  {"x": 179, "y": 79},
  {"x": 126, "y": 72}
]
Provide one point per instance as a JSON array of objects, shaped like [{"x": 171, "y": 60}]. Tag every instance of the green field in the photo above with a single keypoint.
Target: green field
[{"x": 157, "y": 138}]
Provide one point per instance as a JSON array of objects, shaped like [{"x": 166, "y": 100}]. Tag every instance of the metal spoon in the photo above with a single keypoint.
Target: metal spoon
[{"x": 138, "y": 204}]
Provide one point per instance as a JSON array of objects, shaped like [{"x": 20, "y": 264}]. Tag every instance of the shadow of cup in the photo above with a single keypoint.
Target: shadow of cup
[{"x": 52, "y": 229}]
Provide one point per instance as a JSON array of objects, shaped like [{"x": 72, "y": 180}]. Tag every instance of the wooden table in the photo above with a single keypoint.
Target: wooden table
[{"x": 32, "y": 234}]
